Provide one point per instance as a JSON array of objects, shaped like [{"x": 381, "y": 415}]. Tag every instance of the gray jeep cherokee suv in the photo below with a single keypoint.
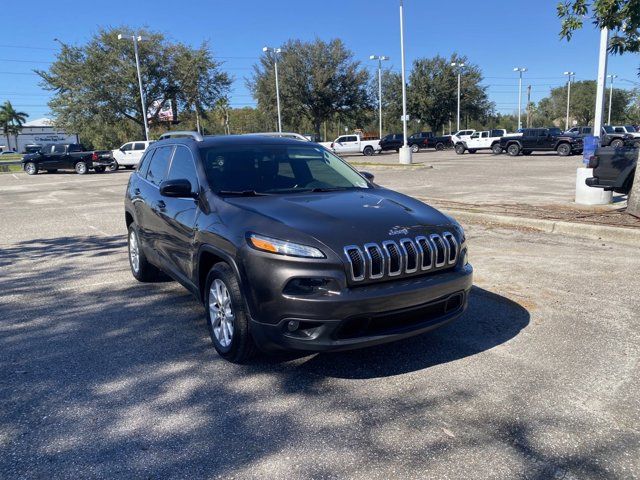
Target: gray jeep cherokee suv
[{"x": 289, "y": 247}]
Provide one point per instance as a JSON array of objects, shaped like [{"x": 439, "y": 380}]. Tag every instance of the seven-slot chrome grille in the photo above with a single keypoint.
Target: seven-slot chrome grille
[{"x": 405, "y": 256}]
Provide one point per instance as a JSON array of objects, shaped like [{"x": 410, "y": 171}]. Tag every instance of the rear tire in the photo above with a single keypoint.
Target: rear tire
[
  {"x": 141, "y": 269},
  {"x": 368, "y": 151},
  {"x": 459, "y": 148},
  {"x": 227, "y": 319},
  {"x": 80, "y": 168},
  {"x": 496, "y": 149},
  {"x": 114, "y": 166},
  {"x": 617, "y": 143},
  {"x": 564, "y": 149},
  {"x": 439, "y": 146},
  {"x": 30, "y": 168},
  {"x": 513, "y": 150}
]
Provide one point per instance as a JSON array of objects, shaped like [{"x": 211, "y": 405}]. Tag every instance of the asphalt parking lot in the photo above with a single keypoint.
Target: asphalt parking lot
[{"x": 104, "y": 377}]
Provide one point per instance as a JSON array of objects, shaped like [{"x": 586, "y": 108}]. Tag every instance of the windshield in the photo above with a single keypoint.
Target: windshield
[
  {"x": 608, "y": 129},
  {"x": 630, "y": 128},
  {"x": 270, "y": 169}
]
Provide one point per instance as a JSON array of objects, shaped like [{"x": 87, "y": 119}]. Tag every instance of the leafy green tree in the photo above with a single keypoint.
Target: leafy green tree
[
  {"x": 11, "y": 121},
  {"x": 433, "y": 92},
  {"x": 319, "y": 81},
  {"x": 622, "y": 18},
  {"x": 95, "y": 85}
]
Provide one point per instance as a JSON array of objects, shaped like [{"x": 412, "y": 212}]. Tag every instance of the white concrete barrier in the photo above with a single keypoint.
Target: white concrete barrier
[{"x": 586, "y": 195}]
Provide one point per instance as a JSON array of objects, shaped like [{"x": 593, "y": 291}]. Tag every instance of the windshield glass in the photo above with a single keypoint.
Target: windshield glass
[
  {"x": 630, "y": 128},
  {"x": 608, "y": 129},
  {"x": 274, "y": 169}
]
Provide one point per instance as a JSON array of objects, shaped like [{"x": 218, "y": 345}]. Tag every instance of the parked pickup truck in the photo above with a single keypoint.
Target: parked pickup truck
[
  {"x": 462, "y": 136},
  {"x": 354, "y": 144},
  {"x": 542, "y": 139},
  {"x": 439, "y": 143},
  {"x": 129, "y": 154},
  {"x": 485, "y": 140},
  {"x": 629, "y": 129},
  {"x": 613, "y": 138},
  {"x": 613, "y": 168},
  {"x": 68, "y": 156}
]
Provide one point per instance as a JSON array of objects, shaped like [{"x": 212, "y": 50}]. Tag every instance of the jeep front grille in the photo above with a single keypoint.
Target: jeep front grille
[{"x": 390, "y": 258}]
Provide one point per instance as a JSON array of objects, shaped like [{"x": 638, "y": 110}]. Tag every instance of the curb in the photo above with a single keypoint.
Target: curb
[{"x": 627, "y": 236}]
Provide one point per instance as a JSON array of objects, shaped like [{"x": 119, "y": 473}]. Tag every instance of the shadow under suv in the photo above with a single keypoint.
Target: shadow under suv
[{"x": 288, "y": 247}]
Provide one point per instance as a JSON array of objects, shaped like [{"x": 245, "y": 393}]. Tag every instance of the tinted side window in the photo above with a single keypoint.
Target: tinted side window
[
  {"x": 143, "y": 166},
  {"x": 58, "y": 149},
  {"x": 341, "y": 139},
  {"x": 138, "y": 146},
  {"x": 183, "y": 167},
  {"x": 158, "y": 165},
  {"x": 75, "y": 148},
  {"x": 126, "y": 147}
]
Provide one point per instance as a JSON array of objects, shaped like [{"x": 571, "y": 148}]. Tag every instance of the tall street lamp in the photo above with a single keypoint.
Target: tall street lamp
[
  {"x": 405, "y": 151},
  {"x": 380, "y": 58},
  {"x": 136, "y": 39},
  {"x": 610, "y": 96},
  {"x": 569, "y": 75},
  {"x": 520, "y": 70},
  {"x": 458, "y": 66},
  {"x": 275, "y": 52}
]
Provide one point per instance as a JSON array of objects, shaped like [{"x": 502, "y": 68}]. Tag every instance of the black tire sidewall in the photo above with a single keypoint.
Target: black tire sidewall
[
  {"x": 242, "y": 345},
  {"x": 496, "y": 149},
  {"x": 513, "y": 150},
  {"x": 617, "y": 143},
  {"x": 563, "y": 150},
  {"x": 459, "y": 149},
  {"x": 368, "y": 151}
]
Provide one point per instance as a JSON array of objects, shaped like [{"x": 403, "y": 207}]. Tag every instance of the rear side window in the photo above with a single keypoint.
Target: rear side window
[
  {"x": 183, "y": 167},
  {"x": 158, "y": 165},
  {"x": 58, "y": 149},
  {"x": 143, "y": 166},
  {"x": 75, "y": 148},
  {"x": 126, "y": 147},
  {"x": 138, "y": 146}
]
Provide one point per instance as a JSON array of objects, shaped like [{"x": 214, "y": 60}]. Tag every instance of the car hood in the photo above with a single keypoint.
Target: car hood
[{"x": 341, "y": 218}]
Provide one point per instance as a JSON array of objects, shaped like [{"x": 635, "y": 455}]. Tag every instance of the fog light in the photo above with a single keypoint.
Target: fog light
[
  {"x": 293, "y": 325},
  {"x": 465, "y": 257}
]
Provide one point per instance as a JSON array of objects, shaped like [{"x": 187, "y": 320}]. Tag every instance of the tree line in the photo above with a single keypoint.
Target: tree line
[{"x": 323, "y": 90}]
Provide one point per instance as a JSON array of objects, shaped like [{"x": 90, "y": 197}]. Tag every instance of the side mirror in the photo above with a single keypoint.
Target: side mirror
[
  {"x": 178, "y": 188},
  {"x": 368, "y": 175}
]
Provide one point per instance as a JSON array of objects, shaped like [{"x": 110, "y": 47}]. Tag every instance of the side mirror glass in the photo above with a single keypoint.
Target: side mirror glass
[
  {"x": 368, "y": 175},
  {"x": 178, "y": 188}
]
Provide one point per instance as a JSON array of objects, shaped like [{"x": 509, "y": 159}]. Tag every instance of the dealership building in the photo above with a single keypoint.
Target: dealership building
[{"x": 37, "y": 132}]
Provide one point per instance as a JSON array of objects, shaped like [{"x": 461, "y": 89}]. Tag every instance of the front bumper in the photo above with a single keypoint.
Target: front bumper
[{"x": 367, "y": 315}]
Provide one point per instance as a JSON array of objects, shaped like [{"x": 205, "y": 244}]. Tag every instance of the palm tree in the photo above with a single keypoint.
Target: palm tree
[{"x": 11, "y": 121}]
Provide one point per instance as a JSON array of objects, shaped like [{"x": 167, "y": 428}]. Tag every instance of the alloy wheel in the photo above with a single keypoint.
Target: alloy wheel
[
  {"x": 134, "y": 251},
  {"x": 221, "y": 313}
]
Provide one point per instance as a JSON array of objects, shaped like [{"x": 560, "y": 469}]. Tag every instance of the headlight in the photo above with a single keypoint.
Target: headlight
[{"x": 282, "y": 247}]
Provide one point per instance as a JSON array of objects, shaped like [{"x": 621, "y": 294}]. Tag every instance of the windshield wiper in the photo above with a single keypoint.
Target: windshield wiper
[
  {"x": 329, "y": 189},
  {"x": 242, "y": 193}
]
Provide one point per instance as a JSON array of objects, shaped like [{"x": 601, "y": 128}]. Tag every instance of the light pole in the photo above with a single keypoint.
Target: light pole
[
  {"x": 380, "y": 58},
  {"x": 459, "y": 66},
  {"x": 136, "y": 39},
  {"x": 520, "y": 70},
  {"x": 275, "y": 52},
  {"x": 569, "y": 75},
  {"x": 405, "y": 151},
  {"x": 612, "y": 76}
]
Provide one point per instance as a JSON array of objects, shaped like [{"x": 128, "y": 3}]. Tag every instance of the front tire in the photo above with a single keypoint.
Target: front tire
[
  {"x": 368, "y": 150},
  {"x": 564, "y": 149},
  {"x": 227, "y": 320},
  {"x": 459, "y": 149},
  {"x": 617, "y": 143},
  {"x": 141, "y": 269},
  {"x": 513, "y": 150},
  {"x": 496, "y": 149},
  {"x": 114, "y": 166},
  {"x": 30, "y": 168},
  {"x": 415, "y": 148},
  {"x": 439, "y": 146},
  {"x": 80, "y": 168}
]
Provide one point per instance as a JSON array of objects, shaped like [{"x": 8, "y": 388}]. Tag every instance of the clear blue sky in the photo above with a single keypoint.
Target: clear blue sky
[{"x": 495, "y": 34}]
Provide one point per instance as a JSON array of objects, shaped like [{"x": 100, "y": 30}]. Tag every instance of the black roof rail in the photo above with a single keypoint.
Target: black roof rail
[{"x": 182, "y": 134}]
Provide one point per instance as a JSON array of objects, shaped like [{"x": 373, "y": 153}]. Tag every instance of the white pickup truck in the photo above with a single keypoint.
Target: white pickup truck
[
  {"x": 353, "y": 144},
  {"x": 485, "y": 140},
  {"x": 630, "y": 129},
  {"x": 129, "y": 154}
]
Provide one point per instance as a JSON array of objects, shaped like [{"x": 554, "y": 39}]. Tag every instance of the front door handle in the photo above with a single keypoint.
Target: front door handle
[{"x": 161, "y": 204}]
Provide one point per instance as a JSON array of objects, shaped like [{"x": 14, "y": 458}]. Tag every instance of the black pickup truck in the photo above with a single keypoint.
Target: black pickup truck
[
  {"x": 613, "y": 168},
  {"x": 542, "y": 139},
  {"x": 609, "y": 136},
  {"x": 69, "y": 156},
  {"x": 439, "y": 143}
]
